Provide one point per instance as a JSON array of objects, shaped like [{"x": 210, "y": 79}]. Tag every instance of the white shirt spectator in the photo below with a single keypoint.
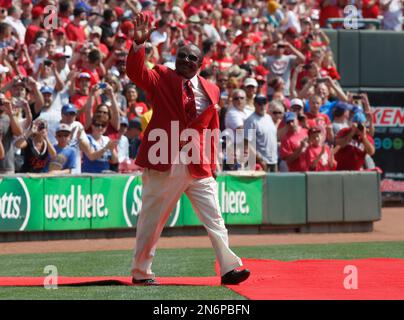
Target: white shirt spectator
[
  {"x": 235, "y": 117},
  {"x": 392, "y": 16},
  {"x": 293, "y": 22},
  {"x": 123, "y": 149},
  {"x": 76, "y": 126},
  {"x": 157, "y": 37},
  {"x": 266, "y": 142},
  {"x": 18, "y": 26}
]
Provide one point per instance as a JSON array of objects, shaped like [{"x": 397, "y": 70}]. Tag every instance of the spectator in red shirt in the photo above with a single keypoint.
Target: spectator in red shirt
[
  {"x": 245, "y": 52},
  {"x": 319, "y": 156},
  {"x": 370, "y": 9},
  {"x": 37, "y": 14},
  {"x": 95, "y": 37},
  {"x": 294, "y": 144},
  {"x": 245, "y": 31},
  {"x": 135, "y": 108},
  {"x": 74, "y": 30},
  {"x": 66, "y": 9},
  {"x": 94, "y": 67},
  {"x": 222, "y": 56},
  {"x": 330, "y": 9},
  {"x": 80, "y": 97},
  {"x": 354, "y": 144},
  {"x": 329, "y": 67}
]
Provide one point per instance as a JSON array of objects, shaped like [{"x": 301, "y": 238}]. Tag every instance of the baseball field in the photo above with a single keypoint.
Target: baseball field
[{"x": 186, "y": 257}]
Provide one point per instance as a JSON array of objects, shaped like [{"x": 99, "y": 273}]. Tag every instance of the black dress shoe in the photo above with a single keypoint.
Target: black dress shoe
[
  {"x": 145, "y": 282},
  {"x": 235, "y": 276}
]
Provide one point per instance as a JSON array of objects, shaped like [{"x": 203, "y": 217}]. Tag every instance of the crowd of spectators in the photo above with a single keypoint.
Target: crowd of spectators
[{"x": 67, "y": 105}]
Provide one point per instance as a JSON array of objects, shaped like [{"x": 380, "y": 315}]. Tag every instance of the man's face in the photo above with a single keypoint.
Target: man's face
[
  {"x": 63, "y": 138},
  {"x": 61, "y": 63},
  {"x": 47, "y": 98},
  {"x": 84, "y": 83},
  {"x": 296, "y": 109},
  {"x": 18, "y": 91},
  {"x": 261, "y": 108},
  {"x": 83, "y": 16},
  {"x": 188, "y": 62},
  {"x": 69, "y": 117},
  {"x": 292, "y": 125},
  {"x": 239, "y": 100}
]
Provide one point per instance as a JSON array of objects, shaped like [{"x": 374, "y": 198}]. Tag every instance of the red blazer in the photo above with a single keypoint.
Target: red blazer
[{"x": 164, "y": 88}]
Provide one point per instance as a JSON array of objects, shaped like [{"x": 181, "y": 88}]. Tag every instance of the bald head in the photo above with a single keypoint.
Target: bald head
[{"x": 189, "y": 60}]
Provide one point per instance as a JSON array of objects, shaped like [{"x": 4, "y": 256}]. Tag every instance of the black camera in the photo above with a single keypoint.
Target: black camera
[
  {"x": 360, "y": 126},
  {"x": 47, "y": 62}
]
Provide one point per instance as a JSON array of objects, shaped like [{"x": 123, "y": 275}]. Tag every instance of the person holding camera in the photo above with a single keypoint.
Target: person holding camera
[
  {"x": 80, "y": 94},
  {"x": 281, "y": 65},
  {"x": 9, "y": 128},
  {"x": 37, "y": 148},
  {"x": 355, "y": 143},
  {"x": 109, "y": 111},
  {"x": 48, "y": 75},
  {"x": 103, "y": 149},
  {"x": 49, "y": 111}
]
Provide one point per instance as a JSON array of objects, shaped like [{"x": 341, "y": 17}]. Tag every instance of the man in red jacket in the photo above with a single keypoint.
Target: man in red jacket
[{"x": 181, "y": 100}]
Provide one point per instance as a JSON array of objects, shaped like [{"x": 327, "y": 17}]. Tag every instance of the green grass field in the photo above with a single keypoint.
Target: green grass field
[{"x": 168, "y": 262}]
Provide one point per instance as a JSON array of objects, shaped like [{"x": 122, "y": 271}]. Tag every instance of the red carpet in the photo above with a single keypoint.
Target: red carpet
[
  {"x": 381, "y": 279},
  {"x": 88, "y": 281},
  {"x": 378, "y": 279}
]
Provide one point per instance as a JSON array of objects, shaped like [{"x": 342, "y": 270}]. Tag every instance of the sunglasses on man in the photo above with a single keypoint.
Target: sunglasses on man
[{"x": 191, "y": 57}]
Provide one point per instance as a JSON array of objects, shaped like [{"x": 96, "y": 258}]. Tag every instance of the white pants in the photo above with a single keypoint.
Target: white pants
[{"x": 161, "y": 191}]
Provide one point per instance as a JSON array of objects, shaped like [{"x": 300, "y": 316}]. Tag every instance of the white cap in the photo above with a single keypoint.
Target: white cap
[
  {"x": 84, "y": 75},
  {"x": 250, "y": 82},
  {"x": 64, "y": 127},
  {"x": 296, "y": 102},
  {"x": 96, "y": 29}
]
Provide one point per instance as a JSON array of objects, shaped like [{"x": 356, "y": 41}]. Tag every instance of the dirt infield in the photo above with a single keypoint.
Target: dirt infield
[{"x": 389, "y": 228}]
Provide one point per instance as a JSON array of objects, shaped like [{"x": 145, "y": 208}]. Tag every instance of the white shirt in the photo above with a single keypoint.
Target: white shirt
[
  {"x": 123, "y": 149},
  {"x": 18, "y": 26},
  {"x": 74, "y": 143},
  {"x": 202, "y": 100},
  {"x": 235, "y": 118},
  {"x": 265, "y": 134},
  {"x": 293, "y": 21},
  {"x": 157, "y": 37}
]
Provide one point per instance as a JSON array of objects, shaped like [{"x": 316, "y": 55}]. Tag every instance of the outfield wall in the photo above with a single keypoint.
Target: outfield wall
[{"x": 102, "y": 202}]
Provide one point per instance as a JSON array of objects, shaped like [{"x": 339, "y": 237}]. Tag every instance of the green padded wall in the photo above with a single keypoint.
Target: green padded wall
[
  {"x": 362, "y": 198},
  {"x": 348, "y": 58},
  {"x": 324, "y": 197},
  {"x": 381, "y": 59},
  {"x": 285, "y": 198}
]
